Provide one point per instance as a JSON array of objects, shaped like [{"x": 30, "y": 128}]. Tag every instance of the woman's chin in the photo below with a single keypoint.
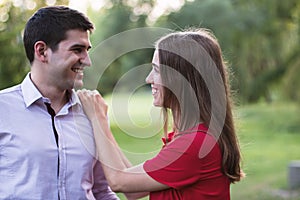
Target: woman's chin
[{"x": 157, "y": 104}]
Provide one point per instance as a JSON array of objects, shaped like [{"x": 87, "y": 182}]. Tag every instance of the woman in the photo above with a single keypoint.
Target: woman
[{"x": 201, "y": 156}]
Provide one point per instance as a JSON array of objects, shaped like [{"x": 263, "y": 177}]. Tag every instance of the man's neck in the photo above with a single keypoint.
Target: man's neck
[{"x": 57, "y": 96}]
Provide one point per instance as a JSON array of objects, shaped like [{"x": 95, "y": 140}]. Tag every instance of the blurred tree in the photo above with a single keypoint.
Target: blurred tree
[
  {"x": 13, "y": 61},
  {"x": 291, "y": 86},
  {"x": 115, "y": 18},
  {"x": 270, "y": 51},
  {"x": 12, "y": 56}
]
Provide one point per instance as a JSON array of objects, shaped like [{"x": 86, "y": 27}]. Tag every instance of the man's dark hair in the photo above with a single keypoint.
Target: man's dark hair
[{"x": 50, "y": 24}]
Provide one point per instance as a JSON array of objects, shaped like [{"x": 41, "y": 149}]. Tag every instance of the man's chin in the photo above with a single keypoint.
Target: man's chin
[{"x": 78, "y": 85}]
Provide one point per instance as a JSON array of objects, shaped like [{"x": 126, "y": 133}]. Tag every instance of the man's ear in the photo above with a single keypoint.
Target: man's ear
[{"x": 40, "y": 51}]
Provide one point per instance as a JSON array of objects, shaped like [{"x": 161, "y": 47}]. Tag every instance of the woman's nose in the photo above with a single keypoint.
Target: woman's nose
[{"x": 149, "y": 78}]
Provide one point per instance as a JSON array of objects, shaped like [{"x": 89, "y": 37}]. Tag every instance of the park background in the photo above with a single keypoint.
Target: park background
[{"x": 260, "y": 42}]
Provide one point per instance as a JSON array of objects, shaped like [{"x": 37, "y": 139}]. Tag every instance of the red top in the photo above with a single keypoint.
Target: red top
[{"x": 191, "y": 166}]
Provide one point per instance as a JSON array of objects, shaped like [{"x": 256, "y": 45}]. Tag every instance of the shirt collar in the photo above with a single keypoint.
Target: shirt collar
[
  {"x": 73, "y": 98},
  {"x": 31, "y": 94}
]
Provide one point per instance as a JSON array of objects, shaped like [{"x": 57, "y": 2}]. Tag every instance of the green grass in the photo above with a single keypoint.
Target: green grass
[
  {"x": 270, "y": 139},
  {"x": 136, "y": 125},
  {"x": 269, "y": 136}
]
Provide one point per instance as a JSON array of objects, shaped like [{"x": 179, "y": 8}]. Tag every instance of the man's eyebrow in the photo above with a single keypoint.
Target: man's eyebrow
[{"x": 80, "y": 46}]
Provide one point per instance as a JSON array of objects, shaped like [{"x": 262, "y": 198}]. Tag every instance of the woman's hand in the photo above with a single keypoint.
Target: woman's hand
[{"x": 93, "y": 104}]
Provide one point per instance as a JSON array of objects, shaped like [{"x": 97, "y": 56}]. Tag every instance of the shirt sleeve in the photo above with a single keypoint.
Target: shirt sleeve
[
  {"x": 185, "y": 161},
  {"x": 177, "y": 164},
  {"x": 101, "y": 189}
]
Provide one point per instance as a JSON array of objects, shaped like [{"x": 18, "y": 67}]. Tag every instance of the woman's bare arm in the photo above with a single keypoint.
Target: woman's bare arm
[{"x": 117, "y": 169}]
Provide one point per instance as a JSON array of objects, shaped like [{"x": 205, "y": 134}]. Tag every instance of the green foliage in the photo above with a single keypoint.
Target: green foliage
[
  {"x": 12, "y": 56},
  {"x": 291, "y": 82},
  {"x": 115, "y": 20}
]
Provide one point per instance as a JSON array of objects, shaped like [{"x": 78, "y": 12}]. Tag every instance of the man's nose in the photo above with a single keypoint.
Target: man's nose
[{"x": 85, "y": 60}]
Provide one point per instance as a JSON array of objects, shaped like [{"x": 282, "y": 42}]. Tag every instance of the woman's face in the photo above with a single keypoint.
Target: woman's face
[{"x": 154, "y": 78}]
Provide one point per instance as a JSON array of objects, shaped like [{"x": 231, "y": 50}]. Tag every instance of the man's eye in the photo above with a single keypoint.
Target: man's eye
[{"x": 77, "y": 50}]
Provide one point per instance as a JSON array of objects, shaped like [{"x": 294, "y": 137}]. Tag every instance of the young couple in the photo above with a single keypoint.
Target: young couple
[{"x": 42, "y": 155}]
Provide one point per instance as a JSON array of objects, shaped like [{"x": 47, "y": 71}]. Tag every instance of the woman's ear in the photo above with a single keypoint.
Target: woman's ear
[{"x": 40, "y": 52}]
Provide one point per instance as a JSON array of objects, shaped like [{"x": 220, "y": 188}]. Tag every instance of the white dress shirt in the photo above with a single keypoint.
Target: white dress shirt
[{"x": 32, "y": 166}]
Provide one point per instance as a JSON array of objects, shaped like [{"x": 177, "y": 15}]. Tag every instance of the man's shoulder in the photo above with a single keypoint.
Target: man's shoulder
[
  {"x": 10, "y": 92},
  {"x": 15, "y": 88}
]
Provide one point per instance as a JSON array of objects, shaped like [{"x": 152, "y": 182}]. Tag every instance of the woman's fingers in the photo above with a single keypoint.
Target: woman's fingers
[
  {"x": 92, "y": 102},
  {"x": 88, "y": 95}
]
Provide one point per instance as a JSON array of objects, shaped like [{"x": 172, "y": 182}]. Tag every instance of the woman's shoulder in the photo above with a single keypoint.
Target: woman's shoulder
[
  {"x": 199, "y": 141},
  {"x": 198, "y": 132}
]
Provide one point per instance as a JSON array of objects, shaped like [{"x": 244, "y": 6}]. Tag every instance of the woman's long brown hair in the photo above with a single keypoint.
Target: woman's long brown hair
[{"x": 187, "y": 63}]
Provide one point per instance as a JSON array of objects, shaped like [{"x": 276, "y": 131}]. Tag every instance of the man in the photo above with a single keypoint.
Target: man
[{"x": 45, "y": 138}]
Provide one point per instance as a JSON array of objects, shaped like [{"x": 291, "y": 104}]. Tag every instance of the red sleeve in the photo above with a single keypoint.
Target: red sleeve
[{"x": 178, "y": 164}]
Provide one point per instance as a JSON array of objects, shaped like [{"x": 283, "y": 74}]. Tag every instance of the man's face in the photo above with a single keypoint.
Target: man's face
[{"x": 66, "y": 64}]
